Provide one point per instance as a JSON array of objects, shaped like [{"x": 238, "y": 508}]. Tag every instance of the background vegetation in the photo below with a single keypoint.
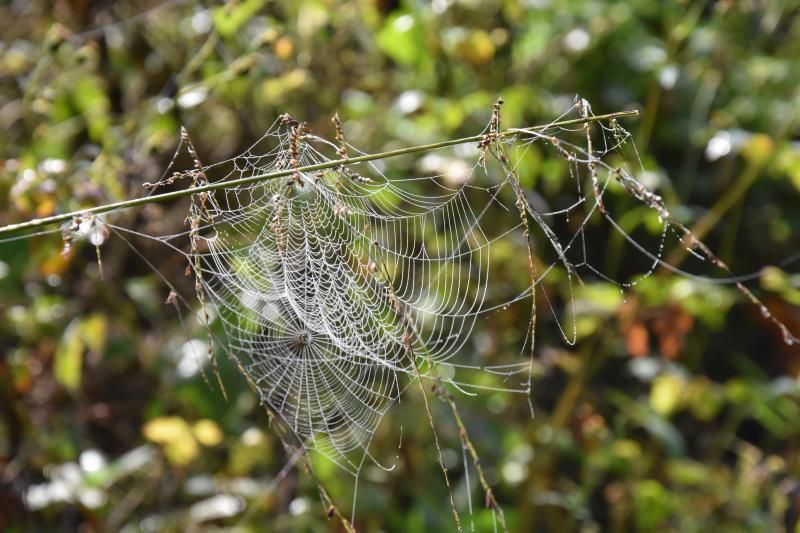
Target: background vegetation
[{"x": 677, "y": 409}]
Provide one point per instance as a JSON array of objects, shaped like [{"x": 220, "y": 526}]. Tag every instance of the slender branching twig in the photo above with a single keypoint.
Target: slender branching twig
[{"x": 207, "y": 187}]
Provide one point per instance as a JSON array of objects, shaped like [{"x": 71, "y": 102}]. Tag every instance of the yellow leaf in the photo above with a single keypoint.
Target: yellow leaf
[
  {"x": 207, "y": 432},
  {"x": 627, "y": 449},
  {"x": 55, "y": 263},
  {"x": 165, "y": 429},
  {"x": 758, "y": 148},
  {"x": 68, "y": 362},
  {"x": 275, "y": 88},
  {"x": 46, "y": 207},
  {"x": 666, "y": 394},
  {"x": 477, "y": 49},
  {"x": 175, "y": 437},
  {"x": 283, "y": 48},
  {"x": 95, "y": 328},
  {"x": 774, "y": 279}
]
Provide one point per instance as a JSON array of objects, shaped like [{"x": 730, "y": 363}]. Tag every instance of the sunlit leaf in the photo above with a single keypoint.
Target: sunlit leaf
[
  {"x": 401, "y": 38},
  {"x": 207, "y": 432},
  {"x": 230, "y": 17},
  {"x": 176, "y": 438},
  {"x": 68, "y": 362},
  {"x": 666, "y": 394}
]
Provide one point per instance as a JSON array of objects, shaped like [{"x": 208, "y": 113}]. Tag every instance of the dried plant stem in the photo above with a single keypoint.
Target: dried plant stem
[
  {"x": 463, "y": 434},
  {"x": 583, "y": 107},
  {"x": 197, "y": 210},
  {"x": 408, "y": 328},
  {"x": 522, "y": 206},
  {"x": 172, "y": 195},
  {"x": 413, "y": 358},
  {"x": 330, "y": 507}
]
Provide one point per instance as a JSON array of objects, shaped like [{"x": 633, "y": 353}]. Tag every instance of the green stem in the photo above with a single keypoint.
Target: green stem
[
  {"x": 127, "y": 204},
  {"x": 725, "y": 203},
  {"x": 649, "y": 115}
]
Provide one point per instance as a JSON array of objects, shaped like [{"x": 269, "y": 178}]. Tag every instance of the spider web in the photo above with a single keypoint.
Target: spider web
[
  {"x": 338, "y": 288},
  {"x": 322, "y": 280}
]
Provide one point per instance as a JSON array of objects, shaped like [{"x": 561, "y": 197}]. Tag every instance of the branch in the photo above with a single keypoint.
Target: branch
[{"x": 127, "y": 204}]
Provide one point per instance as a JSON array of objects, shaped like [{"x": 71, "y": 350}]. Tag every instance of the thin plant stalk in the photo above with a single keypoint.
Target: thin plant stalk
[{"x": 172, "y": 195}]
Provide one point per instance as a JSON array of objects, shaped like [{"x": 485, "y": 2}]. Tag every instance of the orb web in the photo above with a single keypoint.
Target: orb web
[{"x": 316, "y": 279}]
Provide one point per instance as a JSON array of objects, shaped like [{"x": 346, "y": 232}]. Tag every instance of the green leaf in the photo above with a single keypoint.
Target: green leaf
[
  {"x": 401, "y": 39},
  {"x": 652, "y": 505},
  {"x": 230, "y": 17},
  {"x": 91, "y": 100}
]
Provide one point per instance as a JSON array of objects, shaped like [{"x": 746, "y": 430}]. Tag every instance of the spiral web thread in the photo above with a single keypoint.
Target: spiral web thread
[
  {"x": 317, "y": 279},
  {"x": 337, "y": 289}
]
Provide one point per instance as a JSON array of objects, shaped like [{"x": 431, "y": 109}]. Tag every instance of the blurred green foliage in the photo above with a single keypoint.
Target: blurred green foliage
[{"x": 676, "y": 410}]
